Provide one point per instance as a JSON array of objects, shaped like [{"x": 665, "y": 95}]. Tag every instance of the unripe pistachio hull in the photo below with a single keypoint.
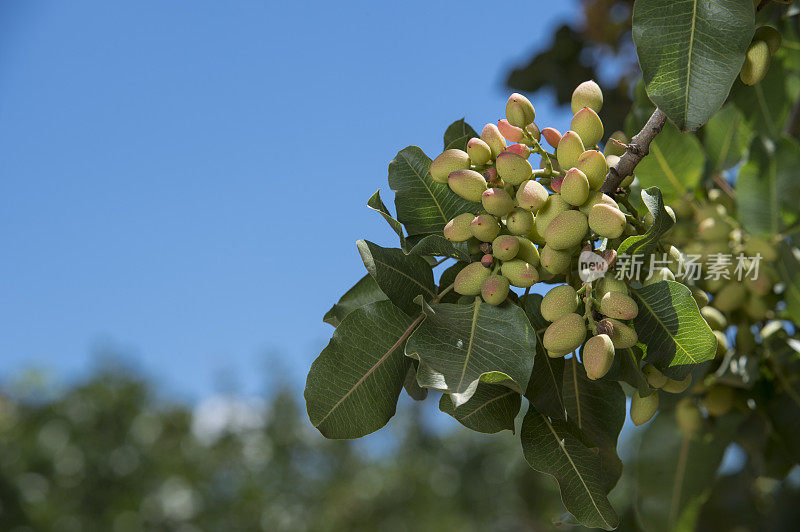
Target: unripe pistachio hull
[
  {"x": 565, "y": 334},
  {"x": 559, "y": 301}
]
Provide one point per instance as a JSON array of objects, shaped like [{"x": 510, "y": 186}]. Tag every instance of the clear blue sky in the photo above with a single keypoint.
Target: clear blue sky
[{"x": 184, "y": 181}]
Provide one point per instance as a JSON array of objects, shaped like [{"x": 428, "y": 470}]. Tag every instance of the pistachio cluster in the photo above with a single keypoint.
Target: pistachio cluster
[{"x": 533, "y": 222}]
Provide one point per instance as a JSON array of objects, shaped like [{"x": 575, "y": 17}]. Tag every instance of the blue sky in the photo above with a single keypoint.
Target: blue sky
[{"x": 184, "y": 181}]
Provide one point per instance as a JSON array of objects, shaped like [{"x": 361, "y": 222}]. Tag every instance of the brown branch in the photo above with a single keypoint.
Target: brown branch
[{"x": 638, "y": 147}]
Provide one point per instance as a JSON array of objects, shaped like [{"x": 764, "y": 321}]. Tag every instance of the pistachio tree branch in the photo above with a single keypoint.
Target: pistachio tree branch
[{"x": 638, "y": 147}]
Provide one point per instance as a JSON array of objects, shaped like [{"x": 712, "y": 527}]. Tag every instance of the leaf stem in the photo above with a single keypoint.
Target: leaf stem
[{"x": 443, "y": 293}]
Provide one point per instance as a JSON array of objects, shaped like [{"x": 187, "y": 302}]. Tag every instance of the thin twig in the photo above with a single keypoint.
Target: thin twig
[
  {"x": 724, "y": 186},
  {"x": 638, "y": 147}
]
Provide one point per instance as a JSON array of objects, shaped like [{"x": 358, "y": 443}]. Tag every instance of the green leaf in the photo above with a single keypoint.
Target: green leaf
[
  {"x": 439, "y": 246},
  {"x": 376, "y": 203},
  {"x": 788, "y": 267},
  {"x": 691, "y": 53},
  {"x": 363, "y": 292},
  {"x": 597, "y": 408},
  {"x": 675, "y": 472},
  {"x": 458, "y": 345},
  {"x": 448, "y": 277},
  {"x": 767, "y": 187},
  {"x": 675, "y": 163},
  {"x": 490, "y": 410},
  {"x": 423, "y": 205},
  {"x": 555, "y": 447},
  {"x": 401, "y": 277},
  {"x": 353, "y": 386},
  {"x": 766, "y": 104},
  {"x": 662, "y": 222},
  {"x": 544, "y": 389},
  {"x": 626, "y": 368},
  {"x": 726, "y": 138},
  {"x": 413, "y": 389},
  {"x": 669, "y": 323},
  {"x": 458, "y": 134}
]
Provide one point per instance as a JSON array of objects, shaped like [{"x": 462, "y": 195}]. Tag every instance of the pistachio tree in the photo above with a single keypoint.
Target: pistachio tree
[{"x": 572, "y": 270}]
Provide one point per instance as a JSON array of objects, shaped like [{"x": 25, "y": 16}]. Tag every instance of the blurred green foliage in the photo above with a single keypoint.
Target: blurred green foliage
[{"x": 108, "y": 454}]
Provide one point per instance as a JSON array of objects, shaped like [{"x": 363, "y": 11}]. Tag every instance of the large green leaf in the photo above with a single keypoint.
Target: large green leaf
[
  {"x": 557, "y": 448},
  {"x": 768, "y": 187},
  {"x": 675, "y": 472},
  {"x": 662, "y": 222},
  {"x": 376, "y": 203},
  {"x": 597, "y": 408},
  {"x": 669, "y": 323},
  {"x": 364, "y": 291},
  {"x": 353, "y": 386},
  {"x": 491, "y": 409},
  {"x": 675, "y": 163},
  {"x": 458, "y": 134},
  {"x": 766, "y": 104},
  {"x": 544, "y": 388},
  {"x": 626, "y": 368},
  {"x": 412, "y": 387},
  {"x": 788, "y": 267},
  {"x": 458, "y": 345},
  {"x": 691, "y": 52},
  {"x": 439, "y": 246},
  {"x": 401, "y": 277},
  {"x": 726, "y": 138},
  {"x": 423, "y": 205}
]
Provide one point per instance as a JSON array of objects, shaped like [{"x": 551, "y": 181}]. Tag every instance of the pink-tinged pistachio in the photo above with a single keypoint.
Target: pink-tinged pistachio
[
  {"x": 520, "y": 273},
  {"x": 485, "y": 227},
  {"x": 513, "y": 168},
  {"x": 494, "y": 289},
  {"x": 469, "y": 280},
  {"x": 468, "y": 184},
  {"x": 597, "y": 356},
  {"x": 552, "y": 136},
  {"x": 492, "y": 136},
  {"x": 511, "y": 133},
  {"x": 519, "y": 221},
  {"x": 531, "y": 195},
  {"x": 505, "y": 247},
  {"x": 520, "y": 149},
  {"x": 487, "y": 261},
  {"x": 497, "y": 201}
]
